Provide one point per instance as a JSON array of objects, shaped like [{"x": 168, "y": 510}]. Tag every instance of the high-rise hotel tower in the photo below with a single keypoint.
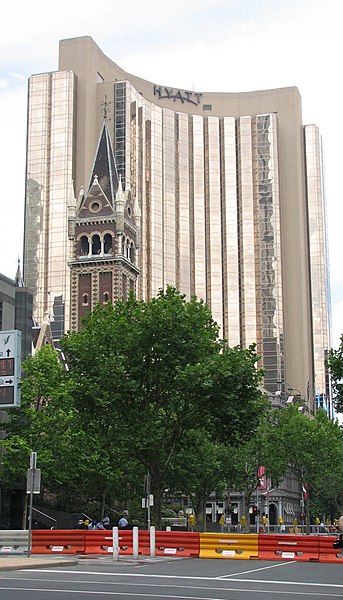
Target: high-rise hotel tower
[{"x": 137, "y": 184}]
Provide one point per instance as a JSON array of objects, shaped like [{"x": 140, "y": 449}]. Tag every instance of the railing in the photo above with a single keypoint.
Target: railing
[
  {"x": 174, "y": 521},
  {"x": 288, "y": 528},
  {"x": 14, "y": 541}
]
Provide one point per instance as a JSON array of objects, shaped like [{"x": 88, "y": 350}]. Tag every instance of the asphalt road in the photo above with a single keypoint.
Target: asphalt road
[{"x": 184, "y": 579}]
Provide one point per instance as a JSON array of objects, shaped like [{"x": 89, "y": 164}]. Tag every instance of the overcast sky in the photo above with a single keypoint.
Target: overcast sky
[{"x": 208, "y": 45}]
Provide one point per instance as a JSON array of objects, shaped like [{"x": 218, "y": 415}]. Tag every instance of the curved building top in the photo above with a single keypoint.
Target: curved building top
[{"x": 84, "y": 58}]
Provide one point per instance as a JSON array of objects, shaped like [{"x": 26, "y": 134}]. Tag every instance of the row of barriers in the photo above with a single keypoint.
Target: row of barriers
[{"x": 173, "y": 543}]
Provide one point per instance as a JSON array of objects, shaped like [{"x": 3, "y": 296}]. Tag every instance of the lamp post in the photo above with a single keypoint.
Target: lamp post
[{"x": 300, "y": 397}]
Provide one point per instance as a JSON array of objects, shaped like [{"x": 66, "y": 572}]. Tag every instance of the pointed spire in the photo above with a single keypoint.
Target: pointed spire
[
  {"x": 104, "y": 167},
  {"x": 19, "y": 282},
  {"x": 120, "y": 206}
]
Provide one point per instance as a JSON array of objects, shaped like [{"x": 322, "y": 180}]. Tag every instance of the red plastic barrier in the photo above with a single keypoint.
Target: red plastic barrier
[
  {"x": 177, "y": 543},
  {"x": 125, "y": 541},
  {"x": 327, "y": 553},
  {"x": 288, "y": 547},
  {"x": 100, "y": 541},
  {"x": 170, "y": 543},
  {"x": 55, "y": 541}
]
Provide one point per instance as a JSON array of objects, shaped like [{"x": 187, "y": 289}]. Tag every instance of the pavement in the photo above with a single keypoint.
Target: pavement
[{"x": 13, "y": 563}]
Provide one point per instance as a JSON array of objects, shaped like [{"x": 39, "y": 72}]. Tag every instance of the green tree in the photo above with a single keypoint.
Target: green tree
[
  {"x": 199, "y": 470},
  {"x": 146, "y": 373},
  {"x": 335, "y": 364},
  {"x": 312, "y": 449},
  {"x": 70, "y": 455}
]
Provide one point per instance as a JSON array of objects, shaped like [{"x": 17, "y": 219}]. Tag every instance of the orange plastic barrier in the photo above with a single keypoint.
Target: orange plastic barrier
[
  {"x": 100, "y": 541},
  {"x": 221, "y": 545},
  {"x": 288, "y": 547},
  {"x": 53, "y": 541},
  {"x": 327, "y": 553},
  {"x": 125, "y": 539}
]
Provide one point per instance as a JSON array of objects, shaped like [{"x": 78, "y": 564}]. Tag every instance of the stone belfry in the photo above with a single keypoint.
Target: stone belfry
[{"x": 104, "y": 225}]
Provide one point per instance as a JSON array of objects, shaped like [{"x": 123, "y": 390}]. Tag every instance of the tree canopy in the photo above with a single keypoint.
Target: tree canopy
[
  {"x": 146, "y": 373},
  {"x": 312, "y": 449},
  {"x": 335, "y": 364}
]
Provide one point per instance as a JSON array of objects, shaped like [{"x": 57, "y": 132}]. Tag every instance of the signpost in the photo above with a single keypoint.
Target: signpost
[
  {"x": 32, "y": 487},
  {"x": 10, "y": 368}
]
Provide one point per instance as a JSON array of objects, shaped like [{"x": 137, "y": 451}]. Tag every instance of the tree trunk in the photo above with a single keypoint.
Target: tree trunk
[
  {"x": 102, "y": 504},
  {"x": 200, "y": 511},
  {"x": 157, "y": 493}
]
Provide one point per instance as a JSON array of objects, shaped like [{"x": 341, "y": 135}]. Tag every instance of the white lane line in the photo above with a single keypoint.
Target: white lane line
[
  {"x": 290, "y": 562},
  {"x": 160, "y": 596},
  {"x": 180, "y": 577}
]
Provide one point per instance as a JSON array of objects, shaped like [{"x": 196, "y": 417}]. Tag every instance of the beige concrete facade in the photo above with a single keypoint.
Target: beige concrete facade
[{"x": 221, "y": 182}]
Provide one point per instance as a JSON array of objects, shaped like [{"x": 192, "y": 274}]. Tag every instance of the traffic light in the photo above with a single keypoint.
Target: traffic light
[{"x": 255, "y": 511}]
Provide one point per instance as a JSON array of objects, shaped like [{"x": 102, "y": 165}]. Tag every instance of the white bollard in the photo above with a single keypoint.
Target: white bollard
[
  {"x": 115, "y": 543},
  {"x": 168, "y": 528},
  {"x": 152, "y": 541},
  {"x": 135, "y": 543}
]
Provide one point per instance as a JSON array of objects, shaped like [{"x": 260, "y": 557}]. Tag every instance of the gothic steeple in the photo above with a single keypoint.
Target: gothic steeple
[
  {"x": 19, "y": 282},
  {"x": 106, "y": 231},
  {"x": 104, "y": 167}
]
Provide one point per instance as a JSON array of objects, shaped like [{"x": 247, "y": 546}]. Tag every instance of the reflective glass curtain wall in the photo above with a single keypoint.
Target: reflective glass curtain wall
[
  {"x": 209, "y": 194},
  {"x": 48, "y": 189},
  {"x": 319, "y": 255}
]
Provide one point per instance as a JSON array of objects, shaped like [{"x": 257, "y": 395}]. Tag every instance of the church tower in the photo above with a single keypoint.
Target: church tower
[{"x": 104, "y": 225}]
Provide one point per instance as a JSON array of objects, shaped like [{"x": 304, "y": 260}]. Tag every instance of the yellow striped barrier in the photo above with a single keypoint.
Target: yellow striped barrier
[{"x": 232, "y": 546}]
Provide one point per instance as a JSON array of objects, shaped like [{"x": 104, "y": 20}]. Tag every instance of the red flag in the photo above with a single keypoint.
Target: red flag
[{"x": 261, "y": 473}]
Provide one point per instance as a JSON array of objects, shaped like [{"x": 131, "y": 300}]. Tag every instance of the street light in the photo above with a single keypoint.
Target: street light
[{"x": 298, "y": 397}]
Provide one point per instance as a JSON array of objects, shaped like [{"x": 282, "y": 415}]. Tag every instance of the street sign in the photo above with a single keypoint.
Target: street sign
[
  {"x": 33, "y": 460},
  {"x": 145, "y": 501},
  {"x": 10, "y": 368},
  {"x": 33, "y": 479}
]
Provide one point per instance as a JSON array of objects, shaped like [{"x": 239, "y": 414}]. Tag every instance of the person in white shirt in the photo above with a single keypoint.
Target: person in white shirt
[{"x": 123, "y": 521}]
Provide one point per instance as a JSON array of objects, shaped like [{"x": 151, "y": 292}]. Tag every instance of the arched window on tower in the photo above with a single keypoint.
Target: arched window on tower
[
  {"x": 127, "y": 249},
  {"x": 84, "y": 299},
  {"x": 106, "y": 298},
  {"x": 107, "y": 243},
  {"x": 84, "y": 243},
  {"x": 96, "y": 244},
  {"x": 132, "y": 253}
]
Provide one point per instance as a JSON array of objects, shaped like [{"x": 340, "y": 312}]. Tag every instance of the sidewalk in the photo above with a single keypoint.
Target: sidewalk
[{"x": 13, "y": 563}]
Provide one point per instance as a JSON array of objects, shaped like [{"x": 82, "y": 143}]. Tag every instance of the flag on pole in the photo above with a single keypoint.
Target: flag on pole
[{"x": 261, "y": 473}]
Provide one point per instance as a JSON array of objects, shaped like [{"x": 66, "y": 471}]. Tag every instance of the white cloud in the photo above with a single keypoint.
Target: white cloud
[
  {"x": 18, "y": 76},
  {"x": 208, "y": 45}
]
